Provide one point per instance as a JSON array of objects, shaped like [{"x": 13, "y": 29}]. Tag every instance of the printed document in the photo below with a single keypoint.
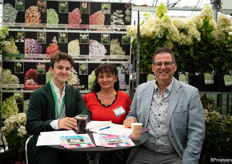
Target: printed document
[{"x": 52, "y": 137}]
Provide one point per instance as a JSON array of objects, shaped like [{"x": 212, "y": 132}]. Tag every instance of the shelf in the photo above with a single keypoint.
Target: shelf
[
  {"x": 30, "y": 91},
  {"x": 65, "y": 30},
  {"x": 75, "y": 61},
  {"x": 217, "y": 93},
  {"x": 18, "y": 91},
  {"x": 152, "y": 8}
]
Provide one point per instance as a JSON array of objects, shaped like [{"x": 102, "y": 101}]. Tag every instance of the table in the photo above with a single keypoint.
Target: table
[{"x": 100, "y": 149}]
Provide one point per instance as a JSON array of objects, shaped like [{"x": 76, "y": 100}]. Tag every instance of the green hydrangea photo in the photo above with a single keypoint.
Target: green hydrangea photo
[
  {"x": 19, "y": 5},
  {"x": 63, "y": 7}
]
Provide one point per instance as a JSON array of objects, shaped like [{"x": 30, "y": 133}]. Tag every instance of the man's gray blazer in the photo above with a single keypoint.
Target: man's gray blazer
[{"x": 186, "y": 126}]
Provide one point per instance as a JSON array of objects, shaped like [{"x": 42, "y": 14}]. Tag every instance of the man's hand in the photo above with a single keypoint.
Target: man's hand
[
  {"x": 67, "y": 123},
  {"x": 127, "y": 122}
]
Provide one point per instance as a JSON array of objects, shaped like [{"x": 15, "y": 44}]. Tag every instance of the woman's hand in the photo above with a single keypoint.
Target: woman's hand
[{"x": 127, "y": 122}]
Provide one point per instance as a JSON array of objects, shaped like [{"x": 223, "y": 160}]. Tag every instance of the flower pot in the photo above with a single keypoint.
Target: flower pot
[
  {"x": 8, "y": 157},
  {"x": 219, "y": 84},
  {"x": 143, "y": 77},
  {"x": 198, "y": 81}
]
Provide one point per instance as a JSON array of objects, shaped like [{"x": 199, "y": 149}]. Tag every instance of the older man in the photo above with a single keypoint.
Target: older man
[{"x": 172, "y": 111}]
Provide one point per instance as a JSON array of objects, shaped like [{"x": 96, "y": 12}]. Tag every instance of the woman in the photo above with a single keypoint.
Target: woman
[{"x": 105, "y": 101}]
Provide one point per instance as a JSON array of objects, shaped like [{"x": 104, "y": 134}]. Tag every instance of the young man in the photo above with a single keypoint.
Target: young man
[
  {"x": 172, "y": 111},
  {"x": 53, "y": 107}
]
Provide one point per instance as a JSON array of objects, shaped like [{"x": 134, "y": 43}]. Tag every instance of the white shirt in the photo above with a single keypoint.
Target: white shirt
[{"x": 59, "y": 98}]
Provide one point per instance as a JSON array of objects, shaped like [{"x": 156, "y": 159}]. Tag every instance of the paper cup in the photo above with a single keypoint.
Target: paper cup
[{"x": 136, "y": 131}]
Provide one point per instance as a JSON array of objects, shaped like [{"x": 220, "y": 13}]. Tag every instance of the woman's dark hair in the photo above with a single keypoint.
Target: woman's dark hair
[
  {"x": 61, "y": 56},
  {"x": 105, "y": 68}
]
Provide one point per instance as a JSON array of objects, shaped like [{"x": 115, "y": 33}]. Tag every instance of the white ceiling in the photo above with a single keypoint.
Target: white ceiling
[
  {"x": 176, "y": 8},
  {"x": 174, "y": 3}
]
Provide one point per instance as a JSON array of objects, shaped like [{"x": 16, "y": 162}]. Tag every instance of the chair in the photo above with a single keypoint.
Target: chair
[
  {"x": 3, "y": 143},
  {"x": 5, "y": 154},
  {"x": 26, "y": 149}
]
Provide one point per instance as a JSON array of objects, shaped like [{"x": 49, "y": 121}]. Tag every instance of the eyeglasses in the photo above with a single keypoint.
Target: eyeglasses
[{"x": 166, "y": 64}]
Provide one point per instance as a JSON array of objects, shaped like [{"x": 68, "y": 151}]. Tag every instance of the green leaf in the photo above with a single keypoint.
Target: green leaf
[
  {"x": 166, "y": 32},
  {"x": 229, "y": 49},
  {"x": 210, "y": 36},
  {"x": 211, "y": 65},
  {"x": 217, "y": 59},
  {"x": 157, "y": 40}
]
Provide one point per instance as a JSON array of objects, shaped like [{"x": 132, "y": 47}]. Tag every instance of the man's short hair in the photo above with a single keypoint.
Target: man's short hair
[
  {"x": 163, "y": 50},
  {"x": 61, "y": 56}
]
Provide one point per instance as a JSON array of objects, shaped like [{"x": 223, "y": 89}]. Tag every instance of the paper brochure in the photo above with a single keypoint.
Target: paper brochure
[
  {"x": 112, "y": 140},
  {"x": 77, "y": 141}
]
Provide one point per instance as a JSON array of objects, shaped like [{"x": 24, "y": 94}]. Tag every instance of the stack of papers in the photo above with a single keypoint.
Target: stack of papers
[
  {"x": 112, "y": 140},
  {"x": 108, "y": 135},
  {"x": 116, "y": 129},
  {"x": 96, "y": 125},
  {"x": 107, "y": 127},
  {"x": 77, "y": 141},
  {"x": 53, "y": 137}
]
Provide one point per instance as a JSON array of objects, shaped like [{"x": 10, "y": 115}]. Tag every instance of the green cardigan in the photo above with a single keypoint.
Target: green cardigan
[{"x": 41, "y": 112}]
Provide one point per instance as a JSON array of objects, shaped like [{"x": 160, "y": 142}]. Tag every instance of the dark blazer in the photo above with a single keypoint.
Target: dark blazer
[
  {"x": 41, "y": 112},
  {"x": 186, "y": 125}
]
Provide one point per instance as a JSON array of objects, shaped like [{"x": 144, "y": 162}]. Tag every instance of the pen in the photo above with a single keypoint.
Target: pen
[{"x": 105, "y": 128}]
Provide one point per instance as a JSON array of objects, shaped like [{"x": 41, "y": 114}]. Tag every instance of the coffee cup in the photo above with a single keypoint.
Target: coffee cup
[
  {"x": 81, "y": 123},
  {"x": 136, "y": 131}
]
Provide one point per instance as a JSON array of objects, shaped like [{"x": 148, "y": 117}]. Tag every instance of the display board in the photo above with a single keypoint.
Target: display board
[
  {"x": 67, "y": 14},
  {"x": 46, "y": 27},
  {"x": 91, "y": 32},
  {"x": 80, "y": 45}
]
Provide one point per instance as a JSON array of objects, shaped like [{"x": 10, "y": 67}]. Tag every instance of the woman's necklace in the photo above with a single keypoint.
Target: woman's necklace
[{"x": 106, "y": 98}]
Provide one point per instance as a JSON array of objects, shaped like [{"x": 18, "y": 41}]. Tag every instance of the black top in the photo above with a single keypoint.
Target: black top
[{"x": 110, "y": 104}]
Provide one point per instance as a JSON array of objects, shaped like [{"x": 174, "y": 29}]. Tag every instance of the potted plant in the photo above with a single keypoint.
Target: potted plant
[
  {"x": 15, "y": 132},
  {"x": 199, "y": 43},
  {"x": 218, "y": 135},
  {"x": 16, "y": 135}
]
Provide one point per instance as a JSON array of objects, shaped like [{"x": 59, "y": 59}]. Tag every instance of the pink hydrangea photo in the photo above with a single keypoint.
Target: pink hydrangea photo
[
  {"x": 32, "y": 15},
  {"x": 97, "y": 18},
  {"x": 74, "y": 18}
]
